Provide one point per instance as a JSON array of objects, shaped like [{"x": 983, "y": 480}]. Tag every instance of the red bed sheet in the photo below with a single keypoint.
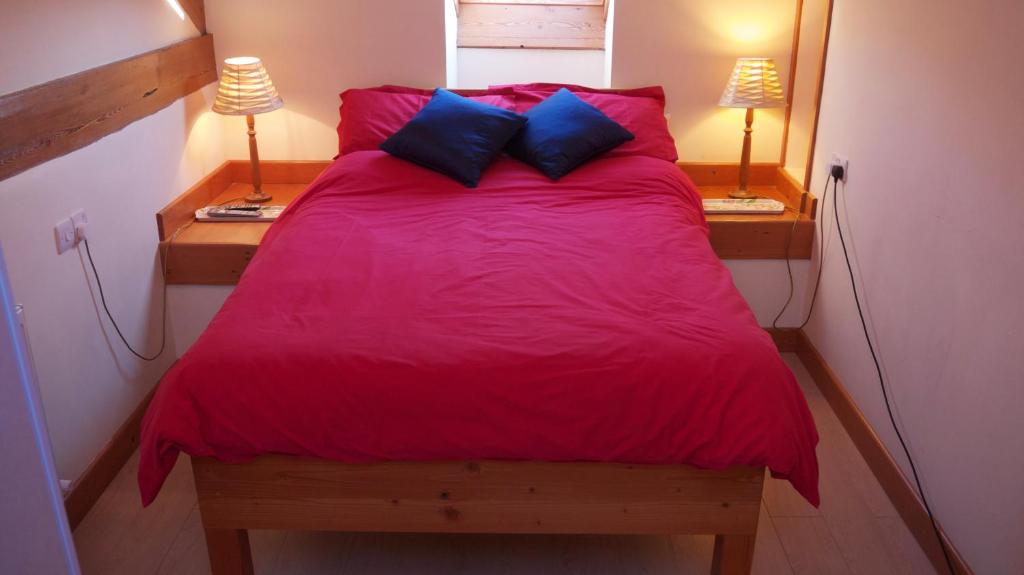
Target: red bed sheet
[{"x": 393, "y": 314}]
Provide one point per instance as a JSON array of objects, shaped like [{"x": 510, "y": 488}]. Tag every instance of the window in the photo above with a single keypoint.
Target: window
[
  {"x": 516, "y": 41},
  {"x": 532, "y": 24}
]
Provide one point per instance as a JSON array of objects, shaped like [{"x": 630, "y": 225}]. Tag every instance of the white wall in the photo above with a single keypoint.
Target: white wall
[
  {"x": 482, "y": 67},
  {"x": 89, "y": 383},
  {"x": 315, "y": 49},
  {"x": 924, "y": 97},
  {"x": 690, "y": 47}
]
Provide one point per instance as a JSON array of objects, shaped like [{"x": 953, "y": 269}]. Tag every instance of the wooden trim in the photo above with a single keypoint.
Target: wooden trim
[
  {"x": 889, "y": 474},
  {"x": 87, "y": 489},
  {"x": 279, "y": 171},
  {"x": 196, "y": 11},
  {"x": 818, "y": 91},
  {"x": 805, "y": 201},
  {"x": 794, "y": 54},
  {"x": 787, "y": 340},
  {"x": 758, "y": 238},
  {"x": 182, "y": 209},
  {"x": 728, "y": 174},
  {"x": 53, "y": 119},
  {"x": 297, "y": 493}
]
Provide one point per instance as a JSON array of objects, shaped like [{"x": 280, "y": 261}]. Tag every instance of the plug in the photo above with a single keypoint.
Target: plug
[
  {"x": 80, "y": 222},
  {"x": 839, "y": 167}
]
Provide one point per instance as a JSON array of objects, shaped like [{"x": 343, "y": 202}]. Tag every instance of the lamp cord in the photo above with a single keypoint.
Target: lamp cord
[
  {"x": 885, "y": 393},
  {"x": 163, "y": 313},
  {"x": 789, "y": 263}
]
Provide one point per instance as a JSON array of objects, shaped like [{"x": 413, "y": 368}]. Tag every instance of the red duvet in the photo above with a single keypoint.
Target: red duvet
[{"x": 392, "y": 314}]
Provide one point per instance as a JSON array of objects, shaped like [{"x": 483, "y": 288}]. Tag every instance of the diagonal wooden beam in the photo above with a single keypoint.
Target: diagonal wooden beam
[
  {"x": 196, "y": 11},
  {"x": 47, "y": 121}
]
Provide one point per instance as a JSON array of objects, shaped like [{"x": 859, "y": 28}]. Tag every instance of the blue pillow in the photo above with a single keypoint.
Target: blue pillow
[
  {"x": 455, "y": 136},
  {"x": 563, "y": 132}
]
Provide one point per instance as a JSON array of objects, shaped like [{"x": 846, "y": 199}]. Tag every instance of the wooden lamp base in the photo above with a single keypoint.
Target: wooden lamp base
[
  {"x": 742, "y": 195},
  {"x": 742, "y": 192},
  {"x": 257, "y": 196}
]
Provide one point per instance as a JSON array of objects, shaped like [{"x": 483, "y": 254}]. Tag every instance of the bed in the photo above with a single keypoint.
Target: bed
[{"x": 405, "y": 354}]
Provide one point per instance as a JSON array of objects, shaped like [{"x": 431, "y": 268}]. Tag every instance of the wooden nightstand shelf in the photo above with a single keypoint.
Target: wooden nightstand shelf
[
  {"x": 758, "y": 236},
  {"x": 217, "y": 253}
]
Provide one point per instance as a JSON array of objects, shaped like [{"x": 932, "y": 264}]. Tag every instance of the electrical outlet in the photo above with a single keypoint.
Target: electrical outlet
[
  {"x": 64, "y": 233},
  {"x": 79, "y": 222},
  {"x": 840, "y": 160}
]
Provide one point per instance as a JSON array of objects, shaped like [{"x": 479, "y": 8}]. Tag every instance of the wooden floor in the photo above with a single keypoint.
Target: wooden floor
[{"x": 855, "y": 531}]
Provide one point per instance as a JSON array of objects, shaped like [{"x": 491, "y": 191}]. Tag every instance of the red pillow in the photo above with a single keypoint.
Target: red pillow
[
  {"x": 639, "y": 110},
  {"x": 371, "y": 115}
]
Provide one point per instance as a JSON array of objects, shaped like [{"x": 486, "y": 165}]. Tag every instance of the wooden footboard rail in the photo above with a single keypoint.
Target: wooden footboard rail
[{"x": 290, "y": 493}]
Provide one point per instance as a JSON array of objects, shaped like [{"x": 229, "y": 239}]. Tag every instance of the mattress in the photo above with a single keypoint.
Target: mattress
[{"x": 393, "y": 314}]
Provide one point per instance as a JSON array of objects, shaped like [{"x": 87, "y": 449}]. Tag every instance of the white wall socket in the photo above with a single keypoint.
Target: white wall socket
[
  {"x": 64, "y": 231},
  {"x": 840, "y": 160},
  {"x": 79, "y": 221}
]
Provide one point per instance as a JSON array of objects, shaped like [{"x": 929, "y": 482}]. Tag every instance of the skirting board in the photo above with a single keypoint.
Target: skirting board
[
  {"x": 87, "y": 489},
  {"x": 879, "y": 460}
]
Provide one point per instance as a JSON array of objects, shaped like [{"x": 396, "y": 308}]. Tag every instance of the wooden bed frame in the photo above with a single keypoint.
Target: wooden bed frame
[{"x": 292, "y": 493}]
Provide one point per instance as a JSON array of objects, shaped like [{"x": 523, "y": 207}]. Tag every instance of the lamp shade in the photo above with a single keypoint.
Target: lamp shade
[
  {"x": 246, "y": 88},
  {"x": 754, "y": 84}
]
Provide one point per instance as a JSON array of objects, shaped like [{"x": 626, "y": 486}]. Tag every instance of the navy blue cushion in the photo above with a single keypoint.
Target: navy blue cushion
[
  {"x": 564, "y": 132},
  {"x": 455, "y": 136}
]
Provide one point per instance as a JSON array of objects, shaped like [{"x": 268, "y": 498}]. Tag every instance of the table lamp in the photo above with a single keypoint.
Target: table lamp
[
  {"x": 246, "y": 90},
  {"x": 754, "y": 84}
]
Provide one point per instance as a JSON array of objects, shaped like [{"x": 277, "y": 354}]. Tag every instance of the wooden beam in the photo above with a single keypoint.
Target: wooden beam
[
  {"x": 53, "y": 119},
  {"x": 196, "y": 10}
]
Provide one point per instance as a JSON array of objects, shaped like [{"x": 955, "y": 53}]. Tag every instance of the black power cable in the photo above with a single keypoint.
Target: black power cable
[
  {"x": 836, "y": 175},
  {"x": 110, "y": 316},
  {"x": 789, "y": 264}
]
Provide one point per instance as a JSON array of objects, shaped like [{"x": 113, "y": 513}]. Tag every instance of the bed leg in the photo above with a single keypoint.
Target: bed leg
[
  {"x": 734, "y": 555},
  {"x": 229, "y": 551}
]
